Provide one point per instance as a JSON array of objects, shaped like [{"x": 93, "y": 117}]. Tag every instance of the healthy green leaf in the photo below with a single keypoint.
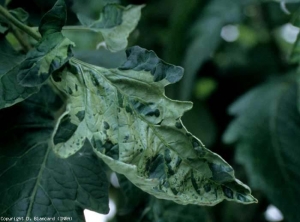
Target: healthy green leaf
[
  {"x": 21, "y": 77},
  {"x": 206, "y": 40},
  {"x": 137, "y": 130},
  {"x": 34, "y": 182},
  {"x": 266, "y": 132},
  {"x": 115, "y": 23}
]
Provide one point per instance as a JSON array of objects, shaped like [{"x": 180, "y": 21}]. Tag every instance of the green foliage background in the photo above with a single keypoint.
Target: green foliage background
[{"x": 245, "y": 95}]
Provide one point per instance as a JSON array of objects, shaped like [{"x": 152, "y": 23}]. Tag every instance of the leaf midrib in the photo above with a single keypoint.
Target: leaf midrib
[
  {"x": 32, "y": 197},
  {"x": 141, "y": 117}
]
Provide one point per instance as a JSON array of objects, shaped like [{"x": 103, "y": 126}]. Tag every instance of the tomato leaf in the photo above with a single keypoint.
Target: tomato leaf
[
  {"x": 53, "y": 51},
  {"x": 115, "y": 23},
  {"x": 21, "y": 77},
  {"x": 137, "y": 131},
  {"x": 34, "y": 182},
  {"x": 266, "y": 132}
]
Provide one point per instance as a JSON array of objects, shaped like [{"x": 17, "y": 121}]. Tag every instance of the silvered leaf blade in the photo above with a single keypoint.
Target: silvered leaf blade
[{"x": 138, "y": 132}]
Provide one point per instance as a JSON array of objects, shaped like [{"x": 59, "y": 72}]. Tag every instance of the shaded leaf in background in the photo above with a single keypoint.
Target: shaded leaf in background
[
  {"x": 115, "y": 23},
  {"x": 33, "y": 180},
  {"x": 137, "y": 130},
  {"x": 179, "y": 19},
  {"x": 168, "y": 211},
  {"x": 204, "y": 40},
  {"x": 21, "y": 77},
  {"x": 204, "y": 127},
  {"x": 93, "y": 8},
  {"x": 132, "y": 197},
  {"x": 295, "y": 54},
  {"x": 266, "y": 132}
]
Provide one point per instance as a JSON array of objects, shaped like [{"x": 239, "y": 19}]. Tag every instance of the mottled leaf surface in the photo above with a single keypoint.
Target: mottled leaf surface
[
  {"x": 53, "y": 51},
  {"x": 21, "y": 77},
  {"x": 137, "y": 130},
  {"x": 266, "y": 132},
  {"x": 115, "y": 23},
  {"x": 34, "y": 182}
]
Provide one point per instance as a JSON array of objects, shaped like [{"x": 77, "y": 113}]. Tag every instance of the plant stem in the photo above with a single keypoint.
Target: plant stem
[
  {"x": 72, "y": 28},
  {"x": 20, "y": 38},
  {"x": 19, "y": 24}
]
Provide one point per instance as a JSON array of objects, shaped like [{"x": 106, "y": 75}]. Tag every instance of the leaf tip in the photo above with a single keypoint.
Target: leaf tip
[{"x": 54, "y": 19}]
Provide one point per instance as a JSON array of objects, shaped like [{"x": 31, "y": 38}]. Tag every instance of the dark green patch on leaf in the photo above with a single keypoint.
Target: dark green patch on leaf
[
  {"x": 111, "y": 150},
  {"x": 80, "y": 115},
  {"x": 65, "y": 130},
  {"x": 228, "y": 192},
  {"x": 221, "y": 173},
  {"x": 155, "y": 167},
  {"x": 107, "y": 148},
  {"x": 194, "y": 183},
  {"x": 140, "y": 59},
  {"x": 106, "y": 125},
  {"x": 207, "y": 187},
  {"x": 145, "y": 109}
]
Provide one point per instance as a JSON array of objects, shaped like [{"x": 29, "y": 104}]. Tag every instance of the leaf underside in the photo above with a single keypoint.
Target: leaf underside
[{"x": 136, "y": 130}]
